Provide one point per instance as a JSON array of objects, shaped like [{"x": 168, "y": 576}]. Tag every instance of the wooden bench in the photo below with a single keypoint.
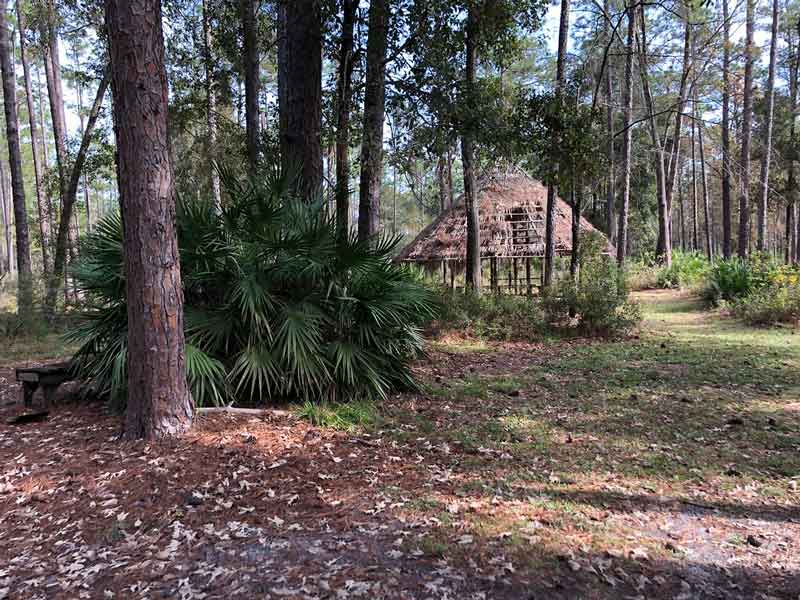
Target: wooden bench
[{"x": 48, "y": 377}]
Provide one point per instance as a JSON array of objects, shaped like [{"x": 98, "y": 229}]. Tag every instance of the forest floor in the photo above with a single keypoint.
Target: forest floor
[{"x": 665, "y": 465}]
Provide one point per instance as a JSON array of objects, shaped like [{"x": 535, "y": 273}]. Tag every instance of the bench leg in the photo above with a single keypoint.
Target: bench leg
[
  {"x": 28, "y": 390},
  {"x": 49, "y": 393}
]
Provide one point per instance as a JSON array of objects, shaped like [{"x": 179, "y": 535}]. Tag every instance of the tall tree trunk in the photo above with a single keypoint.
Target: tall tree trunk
[
  {"x": 792, "y": 238},
  {"x": 369, "y": 193},
  {"x": 706, "y": 201},
  {"x": 765, "y": 160},
  {"x": 577, "y": 207},
  {"x": 664, "y": 244},
  {"x": 25, "y": 282},
  {"x": 727, "y": 247},
  {"x": 552, "y": 192},
  {"x": 42, "y": 205},
  {"x": 471, "y": 202},
  {"x": 300, "y": 80},
  {"x": 747, "y": 121},
  {"x": 211, "y": 106},
  {"x": 252, "y": 77},
  {"x": 8, "y": 257},
  {"x": 82, "y": 123},
  {"x": 159, "y": 402},
  {"x": 70, "y": 193},
  {"x": 695, "y": 232},
  {"x": 664, "y": 216},
  {"x": 444, "y": 181},
  {"x": 611, "y": 222},
  {"x": 344, "y": 101},
  {"x": 627, "y": 109}
]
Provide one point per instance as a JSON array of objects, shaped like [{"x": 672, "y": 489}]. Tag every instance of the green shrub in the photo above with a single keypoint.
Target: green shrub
[
  {"x": 768, "y": 305},
  {"x": 491, "y": 316},
  {"x": 277, "y": 306},
  {"x": 688, "y": 269},
  {"x": 598, "y": 303},
  {"x": 734, "y": 278}
]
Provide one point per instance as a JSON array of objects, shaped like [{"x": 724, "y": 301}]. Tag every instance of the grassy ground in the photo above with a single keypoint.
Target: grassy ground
[{"x": 665, "y": 465}]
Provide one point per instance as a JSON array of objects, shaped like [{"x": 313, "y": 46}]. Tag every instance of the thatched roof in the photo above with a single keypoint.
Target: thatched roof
[{"x": 512, "y": 210}]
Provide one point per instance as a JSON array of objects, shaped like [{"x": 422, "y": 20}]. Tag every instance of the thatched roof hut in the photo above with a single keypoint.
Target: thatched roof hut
[{"x": 512, "y": 208}]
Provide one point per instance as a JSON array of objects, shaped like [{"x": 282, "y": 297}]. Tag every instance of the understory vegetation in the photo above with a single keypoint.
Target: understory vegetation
[{"x": 278, "y": 305}]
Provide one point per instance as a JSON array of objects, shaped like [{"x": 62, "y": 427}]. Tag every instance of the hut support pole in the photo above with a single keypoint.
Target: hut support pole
[
  {"x": 516, "y": 277},
  {"x": 444, "y": 272},
  {"x": 510, "y": 288},
  {"x": 528, "y": 274},
  {"x": 452, "y": 278}
]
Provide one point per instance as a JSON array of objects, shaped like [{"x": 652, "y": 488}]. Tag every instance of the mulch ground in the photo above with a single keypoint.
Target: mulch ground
[{"x": 271, "y": 507}]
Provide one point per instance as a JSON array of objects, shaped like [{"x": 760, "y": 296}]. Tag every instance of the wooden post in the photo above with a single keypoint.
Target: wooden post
[
  {"x": 452, "y": 278},
  {"x": 528, "y": 274},
  {"x": 444, "y": 272},
  {"x": 516, "y": 278}
]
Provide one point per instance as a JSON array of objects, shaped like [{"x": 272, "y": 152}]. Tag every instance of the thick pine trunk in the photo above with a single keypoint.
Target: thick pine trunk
[
  {"x": 42, "y": 204},
  {"x": 344, "y": 101},
  {"x": 159, "y": 401},
  {"x": 25, "y": 283},
  {"x": 747, "y": 122},
  {"x": 727, "y": 247},
  {"x": 252, "y": 78},
  {"x": 627, "y": 109},
  {"x": 473, "y": 270},
  {"x": 765, "y": 160},
  {"x": 552, "y": 192},
  {"x": 211, "y": 107},
  {"x": 300, "y": 83},
  {"x": 369, "y": 193}
]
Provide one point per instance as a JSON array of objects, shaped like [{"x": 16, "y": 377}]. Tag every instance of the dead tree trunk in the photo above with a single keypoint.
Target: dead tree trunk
[
  {"x": 369, "y": 193},
  {"x": 159, "y": 402},
  {"x": 24, "y": 275}
]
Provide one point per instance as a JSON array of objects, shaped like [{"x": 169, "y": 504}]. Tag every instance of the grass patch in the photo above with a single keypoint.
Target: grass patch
[{"x": 348, "y": 416}]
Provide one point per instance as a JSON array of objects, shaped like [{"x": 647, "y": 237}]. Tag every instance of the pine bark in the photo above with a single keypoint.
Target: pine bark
[
  {"x": 369, "y": 194},
  {"x": 159, "y": 402},
  {"x": 552, "y": 192},
  {"x": 23, "y": 251},
  {"x": 611, "y": 222},
  {"x": 767, "y": 156},
  {"x": 300, "y": 80},
  {"x": 473, "y": 266},
  {"x": 8, "y": 255},
  {"x": 42, "y": 201},
  {"x": 627, "y": 109},
  {"x": 695, "y": 232},
  {"x": 252, "y": 79},
  {"x": 344, "y": 101},
  {"x": 747, "y": 123},
  {"x": 727, "y": 246},
  {"x": 84, "y": 178},
  {"x": 211, "y": 107}
]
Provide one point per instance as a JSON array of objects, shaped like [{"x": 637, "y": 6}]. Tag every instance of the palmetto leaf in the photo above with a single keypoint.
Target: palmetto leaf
[{"x": 277, "y": 304}]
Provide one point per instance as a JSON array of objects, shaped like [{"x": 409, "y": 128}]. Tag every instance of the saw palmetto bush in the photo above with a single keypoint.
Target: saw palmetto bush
[{"x": 277, "y": 305}]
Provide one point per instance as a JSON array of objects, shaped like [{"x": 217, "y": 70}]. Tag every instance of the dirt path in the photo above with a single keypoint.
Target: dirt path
[{"x": 664, "y": 466}]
